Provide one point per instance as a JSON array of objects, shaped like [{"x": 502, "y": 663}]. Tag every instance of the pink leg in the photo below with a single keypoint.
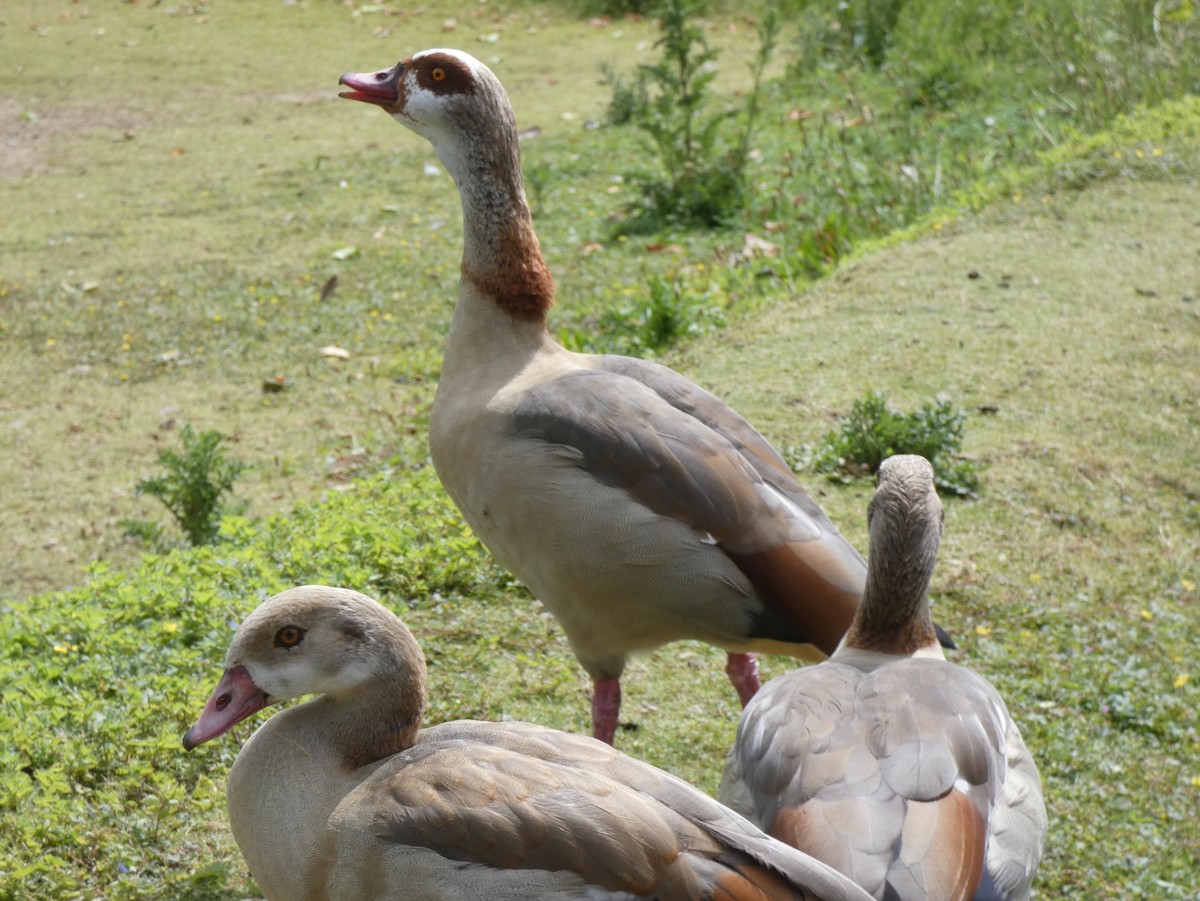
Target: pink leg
[
  {"x": 742, "y": 670},
  {"x": 606, "y": 704}
]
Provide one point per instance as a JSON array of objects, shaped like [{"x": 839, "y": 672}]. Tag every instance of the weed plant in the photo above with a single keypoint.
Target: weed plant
[
  {"x": 675, "y": 309},
  {"x": 701, "y": 180},
  {"x": 872, "y": 432},
  {"x": 193, "y": 485},
  {"x": 889, "y": 111}
]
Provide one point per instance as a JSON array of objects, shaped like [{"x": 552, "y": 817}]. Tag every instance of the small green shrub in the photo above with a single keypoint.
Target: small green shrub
[
  {"x": 873, "y": 432},
  {"x": 702, "y": 180},
  {"x": 672, "y": 311},
  {"x": 192, "y": 486}
]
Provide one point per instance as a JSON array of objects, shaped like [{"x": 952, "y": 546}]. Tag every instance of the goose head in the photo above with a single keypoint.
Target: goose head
[
  {"x": 904, "y": 522},
  {"x": 447, "y": 97},
  {"x": 455, "y": 102},
  {"x": 317, "y": 640}
]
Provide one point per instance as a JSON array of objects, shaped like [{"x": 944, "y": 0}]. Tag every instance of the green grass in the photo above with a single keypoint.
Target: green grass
[{"x": 190, "y": 185}]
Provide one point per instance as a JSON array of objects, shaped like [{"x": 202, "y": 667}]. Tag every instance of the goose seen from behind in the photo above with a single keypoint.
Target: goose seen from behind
[{"x": 898, "y": 768}]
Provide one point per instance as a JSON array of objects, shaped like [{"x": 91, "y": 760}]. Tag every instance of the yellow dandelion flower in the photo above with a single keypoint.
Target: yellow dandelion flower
[
  {"x": 1188, "y": 585},
  {"x": 217, "y": 317},
  {"x": 1181, "y": 680},
  {"x": 983, "y": 631},
  {"x": 1146, "y": 615},
  {"x": 1035, "y": 578},
  {"x": 1117, "y": 155},
  {"x": 1157, "y": 151},
  {"x": 50, "y": 342},
  {"x": 170, "y": 627}
]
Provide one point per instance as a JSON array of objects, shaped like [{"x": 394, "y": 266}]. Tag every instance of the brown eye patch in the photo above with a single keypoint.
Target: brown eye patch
[
  {"x": 289, "y": 637},
  {"x": 443, "y": 74}
]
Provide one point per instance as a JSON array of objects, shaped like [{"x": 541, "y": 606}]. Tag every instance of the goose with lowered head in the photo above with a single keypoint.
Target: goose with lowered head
[
  {"x": 902, "y": 770},
  {"x": 346, "y": 798},
  {"x": 636, "y": 506}
]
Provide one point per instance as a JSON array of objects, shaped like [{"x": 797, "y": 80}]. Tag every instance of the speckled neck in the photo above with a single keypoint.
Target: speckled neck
[
  {"x": 502, "y": 259},
  {"x": 905, "y": 524}
]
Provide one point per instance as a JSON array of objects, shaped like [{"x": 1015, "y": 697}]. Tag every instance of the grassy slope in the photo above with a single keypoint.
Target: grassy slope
[{"x": 1072, "y": 581}]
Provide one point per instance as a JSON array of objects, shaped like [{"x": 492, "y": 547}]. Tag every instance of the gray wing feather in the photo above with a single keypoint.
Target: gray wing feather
[{"x": 629, "y": 437}]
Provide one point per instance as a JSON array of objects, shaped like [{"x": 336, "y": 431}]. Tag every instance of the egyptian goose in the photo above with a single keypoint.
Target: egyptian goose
[
  {"x": 637, "y": 507},
  {"x": 346, "y": 798},
  {"x": 900, "y": 769}
]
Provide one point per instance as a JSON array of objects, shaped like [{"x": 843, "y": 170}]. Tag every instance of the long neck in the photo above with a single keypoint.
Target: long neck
[
  {"x": 893, "y": 616},
  {"x": 502, "y": 260}
]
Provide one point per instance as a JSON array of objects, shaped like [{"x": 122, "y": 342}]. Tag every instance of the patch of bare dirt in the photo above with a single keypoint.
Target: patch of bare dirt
[{"x": 28, "y": 137}]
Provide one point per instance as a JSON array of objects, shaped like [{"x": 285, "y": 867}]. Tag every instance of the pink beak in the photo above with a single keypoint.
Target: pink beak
[
  {"x": 381, "y": 88},
  {"x": 235, "y": 698}
]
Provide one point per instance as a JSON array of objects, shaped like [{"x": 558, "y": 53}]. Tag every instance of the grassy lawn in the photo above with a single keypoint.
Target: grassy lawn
[{"x": 178, "y": 184}]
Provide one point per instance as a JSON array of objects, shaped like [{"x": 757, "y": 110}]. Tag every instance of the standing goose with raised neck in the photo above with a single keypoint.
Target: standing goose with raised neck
[
  {"x": 346, "y": 798},
  {"x": 637, "y": 507},
  {"x": 898, "y": 768}
]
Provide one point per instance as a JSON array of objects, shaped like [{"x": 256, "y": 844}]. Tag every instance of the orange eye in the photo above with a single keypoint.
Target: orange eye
[
  {"x": 289, "y": 637},
  {"x": 439, "y": 74}
]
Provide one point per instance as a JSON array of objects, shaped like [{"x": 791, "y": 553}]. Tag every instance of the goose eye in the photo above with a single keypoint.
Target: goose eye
[
  {"x": 289, "y": 637},
  {"x": 438, "y": 74}
]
